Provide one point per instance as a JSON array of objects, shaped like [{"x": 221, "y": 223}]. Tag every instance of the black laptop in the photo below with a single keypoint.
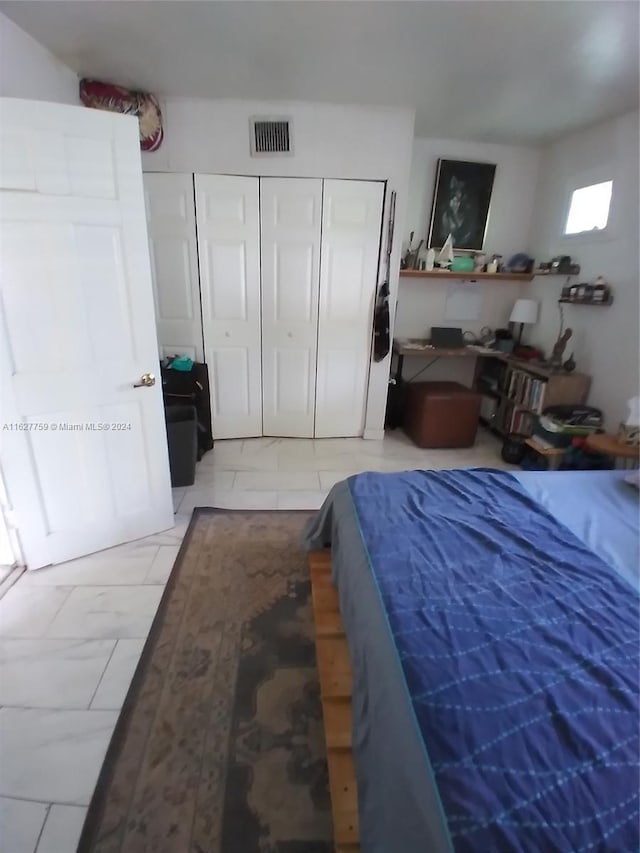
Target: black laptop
[{"x": 445, "y": 337}]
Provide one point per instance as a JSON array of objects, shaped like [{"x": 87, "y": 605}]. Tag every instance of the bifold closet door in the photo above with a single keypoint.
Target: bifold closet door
[
  {"x": 290, "y": 218},
  {"x": 351, "y": 223},
  {"x": 171, "y": 225},
  {"x": 227, "y": 211}
]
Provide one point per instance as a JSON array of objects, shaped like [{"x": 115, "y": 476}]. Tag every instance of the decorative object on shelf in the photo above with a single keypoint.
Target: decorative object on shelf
[
  {"x": 504, "y": 340},
  {"x": 601, "y": 290},
  {"x": 479, "y": 261},
  {"x": 629, "y": 430},
  {"x": 421, "y": 261},
  {"x": 416, "y": 255},
  {"x": 528, "y": 353},
  {"x": 404, "y": 263},
  {"x": 411, "y": 255},
  {"x": 559, "y": 347},
  {"x": 555, "y": 362},
  {"x": 444, "y": 258},
  {"x": 431, "y": 260},
  {"x": 570, "y": 364},
  {"x": 117, "y": 99},
  {"x": 461, "y": 199},
  {"x": 487, "y": 337},
  {"x": 461, "y": 263},
  {"x": 561, "y": 265},
  {"x": 524, "y": 311},
  {"x": 521, "y": 263}
]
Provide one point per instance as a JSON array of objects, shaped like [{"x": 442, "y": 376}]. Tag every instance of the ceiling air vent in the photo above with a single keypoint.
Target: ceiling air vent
[{"x": 271, "y": 136}]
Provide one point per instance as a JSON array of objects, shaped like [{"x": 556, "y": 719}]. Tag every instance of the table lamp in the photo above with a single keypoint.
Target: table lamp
[{"x": 524, "y": 311}]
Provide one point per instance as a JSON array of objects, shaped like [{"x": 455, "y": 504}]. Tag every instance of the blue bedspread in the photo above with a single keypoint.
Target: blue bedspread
[{"x": 519, "y": 648}]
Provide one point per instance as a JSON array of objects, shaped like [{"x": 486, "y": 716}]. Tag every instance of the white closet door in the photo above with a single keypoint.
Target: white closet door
[
  {"x": 290, "y": 217},
  {"x": 227, "y": 211},
  {"x": 351, "y": 219},
  {"x": 171, "y": 221}
]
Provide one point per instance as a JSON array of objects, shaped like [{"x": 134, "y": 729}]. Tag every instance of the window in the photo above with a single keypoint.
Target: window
[{"x": 589, "y": 210}]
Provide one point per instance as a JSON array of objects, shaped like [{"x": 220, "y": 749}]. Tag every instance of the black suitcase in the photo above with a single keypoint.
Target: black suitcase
[{"x": 180, "y": 388}]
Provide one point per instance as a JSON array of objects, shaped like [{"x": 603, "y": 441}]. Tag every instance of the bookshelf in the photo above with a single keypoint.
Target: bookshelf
[{"x": 515, "y": 393}]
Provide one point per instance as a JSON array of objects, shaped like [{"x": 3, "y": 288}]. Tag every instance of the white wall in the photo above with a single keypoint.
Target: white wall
[
  {"x": 605, "y": 340},
  {"x": 421, "y": 301},
  {"x": 28, "y": 70},
  {"x": 513, "y": 189},
  {"x": 329, "y": 141}
]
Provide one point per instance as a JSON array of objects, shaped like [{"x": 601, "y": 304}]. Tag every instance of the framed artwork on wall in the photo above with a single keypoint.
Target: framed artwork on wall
[{"x": 461, "y": 199}]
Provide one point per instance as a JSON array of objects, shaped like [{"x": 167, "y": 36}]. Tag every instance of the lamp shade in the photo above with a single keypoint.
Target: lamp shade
[{"x": 525, "y": 311}]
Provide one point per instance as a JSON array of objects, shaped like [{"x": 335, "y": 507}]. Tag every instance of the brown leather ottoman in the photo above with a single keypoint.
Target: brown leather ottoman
[{"x": 441, "y": 414}]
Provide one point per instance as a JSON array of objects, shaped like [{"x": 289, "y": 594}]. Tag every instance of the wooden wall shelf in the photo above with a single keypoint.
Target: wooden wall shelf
[
  {"x": 468, "y": 276},
  {"x": 604, "y": 304}
]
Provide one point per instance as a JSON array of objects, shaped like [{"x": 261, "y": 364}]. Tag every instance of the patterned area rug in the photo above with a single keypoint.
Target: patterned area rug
[{"x": 219, "y": 747}]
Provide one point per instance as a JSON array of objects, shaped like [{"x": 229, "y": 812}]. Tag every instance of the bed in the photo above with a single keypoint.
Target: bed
[{"x": 492, "y": 623}]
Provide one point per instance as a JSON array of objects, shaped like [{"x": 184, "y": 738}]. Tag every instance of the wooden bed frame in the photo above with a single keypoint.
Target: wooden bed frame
[{"x": 335, "y": 688}]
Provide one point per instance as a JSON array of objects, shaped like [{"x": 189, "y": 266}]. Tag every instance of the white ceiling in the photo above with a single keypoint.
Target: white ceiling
[{"x": 523, "y": 71}]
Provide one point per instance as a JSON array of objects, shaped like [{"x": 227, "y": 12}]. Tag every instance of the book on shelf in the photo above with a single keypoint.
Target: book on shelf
[
  {"x": 518, "y": 420},
  {"x": 525, "y": 389}
]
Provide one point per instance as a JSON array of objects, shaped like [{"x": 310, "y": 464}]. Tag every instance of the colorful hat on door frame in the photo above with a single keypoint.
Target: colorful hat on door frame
[{"x": 117, "y": 99}]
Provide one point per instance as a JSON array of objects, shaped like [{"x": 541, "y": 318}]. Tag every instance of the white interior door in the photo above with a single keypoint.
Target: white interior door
[
  {"x": 290, "y": 218},
  {"x": 227, "y": 212},
  {"x": 77, "y": 331},
  {"x": 6, "y": 548},
  {"x": 171, "y": 222},
  {"x": 351, "y": 221}
]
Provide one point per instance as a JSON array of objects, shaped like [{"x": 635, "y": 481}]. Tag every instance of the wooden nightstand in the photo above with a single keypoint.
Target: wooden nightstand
[{"x": 625, "y": 454}]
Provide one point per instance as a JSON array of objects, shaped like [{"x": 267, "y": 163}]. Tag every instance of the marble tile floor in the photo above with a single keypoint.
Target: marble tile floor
[{"x": 71, "y": 635}]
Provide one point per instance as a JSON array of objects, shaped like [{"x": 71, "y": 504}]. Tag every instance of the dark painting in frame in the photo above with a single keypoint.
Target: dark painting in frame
[{"x": 461, "y": 199}]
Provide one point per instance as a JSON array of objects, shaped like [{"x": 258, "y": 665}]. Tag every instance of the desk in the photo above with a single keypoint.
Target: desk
[
  {"x": 417, "y": 347},
  {"x": 559, "y": 388},
  {"x": 403, "y": 347}
]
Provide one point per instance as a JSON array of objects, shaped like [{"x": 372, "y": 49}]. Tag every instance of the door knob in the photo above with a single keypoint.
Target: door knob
[{"x": 146, "y": 381}]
